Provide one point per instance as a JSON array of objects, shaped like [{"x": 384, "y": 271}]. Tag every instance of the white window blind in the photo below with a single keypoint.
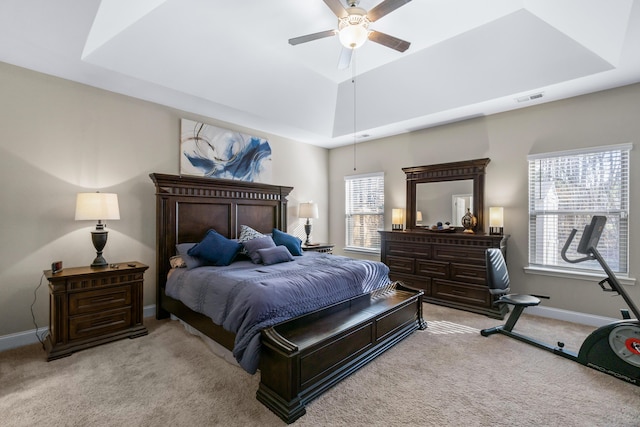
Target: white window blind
[
  {"x": 565, "y": 190},
  {"x": 364, "y": 211}
]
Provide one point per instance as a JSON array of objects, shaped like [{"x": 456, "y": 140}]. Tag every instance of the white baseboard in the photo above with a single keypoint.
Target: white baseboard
[
  {"x": 19, "y": 339},
  {"x": 570, "y": 316}
]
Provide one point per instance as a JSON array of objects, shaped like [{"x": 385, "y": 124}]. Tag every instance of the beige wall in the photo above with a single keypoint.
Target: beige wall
[
  {"x": 604, "y": 118},
  {"x": 58, "y": 138}
]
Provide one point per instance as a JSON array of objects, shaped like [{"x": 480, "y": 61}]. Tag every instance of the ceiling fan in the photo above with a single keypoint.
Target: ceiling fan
[{"x": 353, "y": 28}]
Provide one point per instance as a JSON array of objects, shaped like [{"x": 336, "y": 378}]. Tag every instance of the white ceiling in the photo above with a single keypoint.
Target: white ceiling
[{"x": 230, "y": 59}]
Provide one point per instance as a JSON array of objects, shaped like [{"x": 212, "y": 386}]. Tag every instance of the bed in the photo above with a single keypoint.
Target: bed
[{"x": 299, "y": 357}]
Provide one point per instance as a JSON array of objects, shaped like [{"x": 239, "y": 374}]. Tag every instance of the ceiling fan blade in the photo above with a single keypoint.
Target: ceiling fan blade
[
  {"x": 336, "y": 7},
  {"x": 384, "y": 8},
  {"x": 310, "y": 37},
  {"x": 389, "y": 41},
  {"x": 345, "y": 58}
]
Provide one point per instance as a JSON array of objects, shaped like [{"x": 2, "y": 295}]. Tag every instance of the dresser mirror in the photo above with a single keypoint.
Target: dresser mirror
[{"x": 443, "y": 193}]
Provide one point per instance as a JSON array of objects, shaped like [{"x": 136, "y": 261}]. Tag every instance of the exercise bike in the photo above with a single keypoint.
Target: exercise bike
[{"x": 614, "y": 348}]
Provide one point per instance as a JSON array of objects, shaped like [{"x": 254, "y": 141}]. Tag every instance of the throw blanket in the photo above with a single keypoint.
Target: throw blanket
[{"x": 245, "y": 298}]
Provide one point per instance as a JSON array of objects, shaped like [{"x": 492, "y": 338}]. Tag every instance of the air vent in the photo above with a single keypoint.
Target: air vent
[{"x": 531, "y": 97}]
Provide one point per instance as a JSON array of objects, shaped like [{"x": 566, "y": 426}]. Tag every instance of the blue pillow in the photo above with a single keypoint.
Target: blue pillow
[
  {"x": 291, "y": 242},
  {"x": 252, "y": 246},
  {"x": 275, "y": 255},
  {"x": 191, "y": 261},
  {"x": 215, "y": 249}
]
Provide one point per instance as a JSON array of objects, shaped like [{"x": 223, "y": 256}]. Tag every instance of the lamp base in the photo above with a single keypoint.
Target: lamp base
[
  {"x": 495, "y": 231},
  {"x": 99, "y": 239},
  {"x": 307, "y": 230}
]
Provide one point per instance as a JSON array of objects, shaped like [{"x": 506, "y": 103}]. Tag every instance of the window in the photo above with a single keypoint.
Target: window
[
  {"x": 364, "y": 211},
  {"x": 565, "y": 190}
]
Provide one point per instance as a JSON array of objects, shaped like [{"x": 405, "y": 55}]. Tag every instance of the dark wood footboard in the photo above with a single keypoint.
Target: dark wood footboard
[{"x": 305, "y": 356}]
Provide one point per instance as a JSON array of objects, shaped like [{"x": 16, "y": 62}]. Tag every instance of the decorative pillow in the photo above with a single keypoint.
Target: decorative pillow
[
  {"x": 177, "y": 261},
  {"x": 254, "y": 245},
  {"x": 215, "y": 249},
  {"x": 291, "y": 242},
  {"x": 275, "y": 255},
  {"x": 247, "y": 233},
  {"x": 190, "y": 261}
]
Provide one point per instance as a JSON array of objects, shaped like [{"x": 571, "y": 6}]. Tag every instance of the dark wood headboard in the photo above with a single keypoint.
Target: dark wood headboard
[{"x": 187, "y": 207}]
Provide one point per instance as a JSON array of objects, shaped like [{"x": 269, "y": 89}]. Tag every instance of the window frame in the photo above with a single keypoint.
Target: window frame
[
  {"x": 379, "y": 212},
  {"x": 618, "y": 216}
]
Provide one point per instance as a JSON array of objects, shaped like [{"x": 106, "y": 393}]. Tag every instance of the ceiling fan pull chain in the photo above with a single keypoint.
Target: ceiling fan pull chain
[{"x": 353, "y": 81}]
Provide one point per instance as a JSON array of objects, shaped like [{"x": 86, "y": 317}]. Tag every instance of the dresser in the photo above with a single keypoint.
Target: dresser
[
  {"x": 91, "y": 306},
  {"x": 448, "y": 267}
]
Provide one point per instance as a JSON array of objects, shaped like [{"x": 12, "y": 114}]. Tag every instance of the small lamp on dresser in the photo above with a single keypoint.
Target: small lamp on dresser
[
  {"x": 308, "y": 210},
  {"x": 98, "y": 206},
  {"x": 397, "y": 219},
  {"x": 496, "y": 221}
]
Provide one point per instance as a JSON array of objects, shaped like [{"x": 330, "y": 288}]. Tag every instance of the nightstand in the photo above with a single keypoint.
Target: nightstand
[
  {"x": 320, "y": 247},
  {"x": 92, "y": 306}
]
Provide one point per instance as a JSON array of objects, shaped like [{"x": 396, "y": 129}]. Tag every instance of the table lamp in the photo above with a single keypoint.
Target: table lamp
[
  {"x": 308, "y": 210},
  {"x": 97, "y": 206}
]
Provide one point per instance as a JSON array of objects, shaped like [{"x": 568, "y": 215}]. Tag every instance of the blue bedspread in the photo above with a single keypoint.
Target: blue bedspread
[{"x": 245, "y": 298}]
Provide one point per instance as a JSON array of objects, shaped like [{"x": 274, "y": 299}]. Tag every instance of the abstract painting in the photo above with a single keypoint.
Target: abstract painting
[{"x": 214, "y": 152}]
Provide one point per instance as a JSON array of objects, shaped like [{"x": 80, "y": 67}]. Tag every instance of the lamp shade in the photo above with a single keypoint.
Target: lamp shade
[
  {"x": 308, "y": 210},
  {"x": 397, "y": 219},
  {"x": 496, "y": 217},
  {"x": 97, "y": 206}
]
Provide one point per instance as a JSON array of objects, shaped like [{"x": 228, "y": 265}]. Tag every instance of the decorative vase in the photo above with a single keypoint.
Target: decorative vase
[{"x": 469, "y": 222}]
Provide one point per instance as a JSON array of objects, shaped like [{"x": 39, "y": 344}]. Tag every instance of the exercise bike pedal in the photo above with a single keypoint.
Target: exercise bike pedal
[{"x": 625, "y": 314}]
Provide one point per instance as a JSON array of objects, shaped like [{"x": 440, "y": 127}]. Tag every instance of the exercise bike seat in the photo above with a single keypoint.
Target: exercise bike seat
[
  {"x": 499, "y": 284},
  {"x": 519, "y": 299},
  {"x": 498, "y": 281}
]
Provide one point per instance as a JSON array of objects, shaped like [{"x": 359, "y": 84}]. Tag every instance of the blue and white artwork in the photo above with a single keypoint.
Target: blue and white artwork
[{"x": 210, "y": 151}]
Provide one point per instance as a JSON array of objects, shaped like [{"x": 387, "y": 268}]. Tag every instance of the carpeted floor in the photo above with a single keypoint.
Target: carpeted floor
[{"x": 447, "y": 375}]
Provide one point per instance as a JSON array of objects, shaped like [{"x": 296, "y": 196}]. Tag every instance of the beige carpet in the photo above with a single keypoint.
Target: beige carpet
[{"x": 448, "y": 375}]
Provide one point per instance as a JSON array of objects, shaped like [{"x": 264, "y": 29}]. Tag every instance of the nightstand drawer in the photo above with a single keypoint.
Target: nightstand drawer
[
  {"x": 98, "y": 324},
  {"x": 99, "y": 300}
]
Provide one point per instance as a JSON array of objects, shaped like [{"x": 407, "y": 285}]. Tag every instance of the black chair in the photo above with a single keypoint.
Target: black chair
[{"x": 498, "y": 281}]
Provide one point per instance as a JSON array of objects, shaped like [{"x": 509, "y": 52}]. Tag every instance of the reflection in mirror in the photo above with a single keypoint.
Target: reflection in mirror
[{"x": 445, "y": 201}]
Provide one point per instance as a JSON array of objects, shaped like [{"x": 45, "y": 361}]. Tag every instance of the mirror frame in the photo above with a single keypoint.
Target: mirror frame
[{"x": 456, "y": 171}]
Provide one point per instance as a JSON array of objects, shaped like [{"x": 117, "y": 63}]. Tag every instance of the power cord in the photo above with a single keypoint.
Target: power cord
[{"x": 35, "y": 296}]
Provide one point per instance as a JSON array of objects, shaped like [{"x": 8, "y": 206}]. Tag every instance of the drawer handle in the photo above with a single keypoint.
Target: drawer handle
[
  {"x": 102, "y": 322},
  {"x": 102, "y": 300}
]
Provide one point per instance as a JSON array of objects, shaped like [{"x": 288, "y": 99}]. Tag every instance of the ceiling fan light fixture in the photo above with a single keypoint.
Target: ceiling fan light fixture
[{"x": 353, "y": 29}]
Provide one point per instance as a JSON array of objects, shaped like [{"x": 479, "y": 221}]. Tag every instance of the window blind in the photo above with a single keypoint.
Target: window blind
[
  {"x": 364, "y": 211},
  {"x": 565, "y": 190}
]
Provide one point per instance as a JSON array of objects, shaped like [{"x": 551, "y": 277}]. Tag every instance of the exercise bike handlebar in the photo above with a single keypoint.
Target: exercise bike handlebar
[
  {"x": 563, "y": 253},
  {"x": 593, "y": 254}
]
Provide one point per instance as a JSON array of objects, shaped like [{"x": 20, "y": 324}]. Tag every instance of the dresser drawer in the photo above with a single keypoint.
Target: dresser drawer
[
  {"x": 433, "y": 269},
  {"x": 468, "y": 273},
  {"x": 458, "y": 292},
  {"x": 99, "y": 300},
  {"x": 97, "y": 324},
  {"x": 400, "y": 265},
  {"x": 408, "y": 250},
  {"x": 457, "y": 253}
]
